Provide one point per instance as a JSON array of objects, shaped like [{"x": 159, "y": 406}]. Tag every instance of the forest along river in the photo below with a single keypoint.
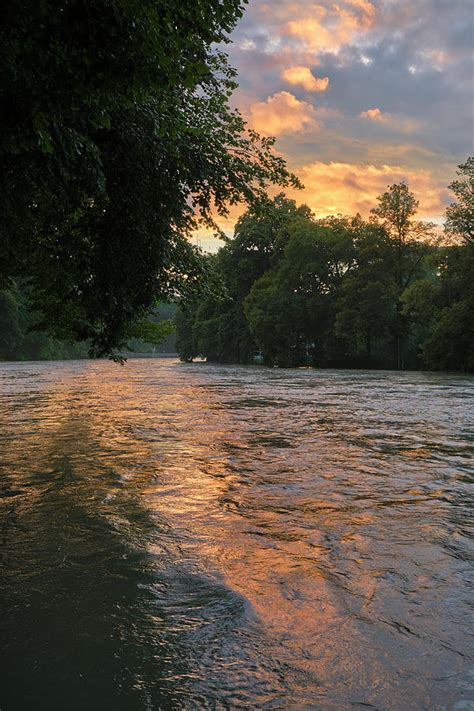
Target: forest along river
[{"x": 193, "y": 536}]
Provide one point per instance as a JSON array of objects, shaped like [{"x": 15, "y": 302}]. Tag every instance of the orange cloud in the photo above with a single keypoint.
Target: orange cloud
[
  {"x": 327, "y": 29},
  {"x": 332, "y": 188},
  {"x": 375, "y": 115},
  {"x": 366, "y": 6},
  {"x": 282, "y": 113},
  {"x": 347, "y": 188},
  {"x": 303, "y": 76},
  {"x": 398, "y": 122}
]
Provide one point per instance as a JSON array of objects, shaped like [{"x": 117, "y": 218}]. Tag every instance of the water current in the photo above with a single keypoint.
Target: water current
[{"x": 212, "y": 537}]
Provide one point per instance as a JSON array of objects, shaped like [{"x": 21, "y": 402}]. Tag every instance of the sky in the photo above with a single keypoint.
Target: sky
[{"x": 359, "y": 94}]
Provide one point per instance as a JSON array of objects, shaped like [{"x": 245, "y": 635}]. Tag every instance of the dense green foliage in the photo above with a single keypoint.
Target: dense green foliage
[
  {"x": 339, "y": 291},
  {"x": 21, "y": 337},
  {"x": 116, "y": 138},
  {"x": 223, "y": 332}
]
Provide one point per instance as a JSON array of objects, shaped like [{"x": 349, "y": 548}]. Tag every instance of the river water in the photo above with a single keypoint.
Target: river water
[{"x": 203, "y": 537}]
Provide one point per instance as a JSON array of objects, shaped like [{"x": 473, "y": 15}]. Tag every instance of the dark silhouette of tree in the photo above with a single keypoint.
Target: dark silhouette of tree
[
  {"x": 460, "y": 214},
  {"x": 116, "y": 140}
]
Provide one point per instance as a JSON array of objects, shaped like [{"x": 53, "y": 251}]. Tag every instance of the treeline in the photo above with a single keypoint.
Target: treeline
[
  {"x": 23, "y": 335},
  {"x": 388, "y": 292}
]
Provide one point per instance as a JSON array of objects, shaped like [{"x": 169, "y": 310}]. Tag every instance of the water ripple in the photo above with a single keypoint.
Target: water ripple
[{"x": 192, "y": 536}]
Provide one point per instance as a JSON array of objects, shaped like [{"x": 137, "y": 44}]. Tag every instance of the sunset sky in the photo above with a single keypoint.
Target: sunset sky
[{"x": 360, "y": 94}]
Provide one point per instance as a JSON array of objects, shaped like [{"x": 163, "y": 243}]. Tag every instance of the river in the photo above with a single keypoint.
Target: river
[{"x": 209, "y": 537}]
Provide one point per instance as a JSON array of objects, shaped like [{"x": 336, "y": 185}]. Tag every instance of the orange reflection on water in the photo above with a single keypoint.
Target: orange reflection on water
[{"x": 325, "y": 539}]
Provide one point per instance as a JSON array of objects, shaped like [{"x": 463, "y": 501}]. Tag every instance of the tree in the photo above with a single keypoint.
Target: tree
[
  {"x": 272, "y": 315},
  {"x": 116, "y": 140},
  {"x": 221, "y": 328},
  {"x": 291, "y": 313},
  {"x": 365, "y": 306},
  {"x": 338, "y": 291},
  {"x": 186, "y": 345},
  {"x": 395, "y": 211},
  {"x": 442, "y": 303},
  {"x": 450, "y": 342},
  {"x": 9, "y": 325},
  {"x": 19, "y": 337},
  {"x": 460, "y": 214},
  {"x": 411, "y": 241}
]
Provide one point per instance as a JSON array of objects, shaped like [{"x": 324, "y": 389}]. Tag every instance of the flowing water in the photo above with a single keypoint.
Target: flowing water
[{"x": 203, "y": 537}]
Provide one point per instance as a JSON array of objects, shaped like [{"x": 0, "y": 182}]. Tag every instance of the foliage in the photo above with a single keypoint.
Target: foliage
[
  {"x": 339, "y": 292},
  {"x": 185, "y": 338},
  {"x": 460, "y": 214},
  {"x": 221, "y": 330},
  {"x": 116, "y": 140},
  {"x": 411, "y": 240},
  {"x": 444, "y": 310},
  {"x": 153, "y": 332},
  {"x": 20, "y": 338},
  {"x": 365, "y": 317},
  {"x": 306, "y": 280}
]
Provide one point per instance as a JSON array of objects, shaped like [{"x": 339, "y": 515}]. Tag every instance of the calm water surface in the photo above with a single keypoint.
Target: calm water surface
[{"x": 201, "y": 537}]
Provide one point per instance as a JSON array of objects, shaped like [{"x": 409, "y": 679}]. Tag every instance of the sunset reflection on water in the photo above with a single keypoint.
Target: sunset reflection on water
[{"x": 179, "y": 536}]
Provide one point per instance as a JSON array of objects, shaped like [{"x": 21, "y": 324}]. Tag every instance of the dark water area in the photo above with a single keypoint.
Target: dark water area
[{"x": 201, "y": 537}]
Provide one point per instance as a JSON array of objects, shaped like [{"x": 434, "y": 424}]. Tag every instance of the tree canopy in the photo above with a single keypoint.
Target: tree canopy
[
  {"x": 337, "y": 291},
  {"x": 460, "y": 214},
  {"x": 116, "y": 140}
]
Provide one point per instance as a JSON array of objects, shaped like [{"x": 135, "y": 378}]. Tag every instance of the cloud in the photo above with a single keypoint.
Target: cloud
[
  {"x": 378, "y": 122},
  {"x": 282, "y": 113},
  {"x": 400, "y": 123},
  {"x": 375, "y": 115},
  {"x": 302, "y": 76},
  {"x": 333, "y": 188},
  {"x": 366, "y": 48},
  {"x": 347, "y": 188},
  {"x": 326, "y": 28}
]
